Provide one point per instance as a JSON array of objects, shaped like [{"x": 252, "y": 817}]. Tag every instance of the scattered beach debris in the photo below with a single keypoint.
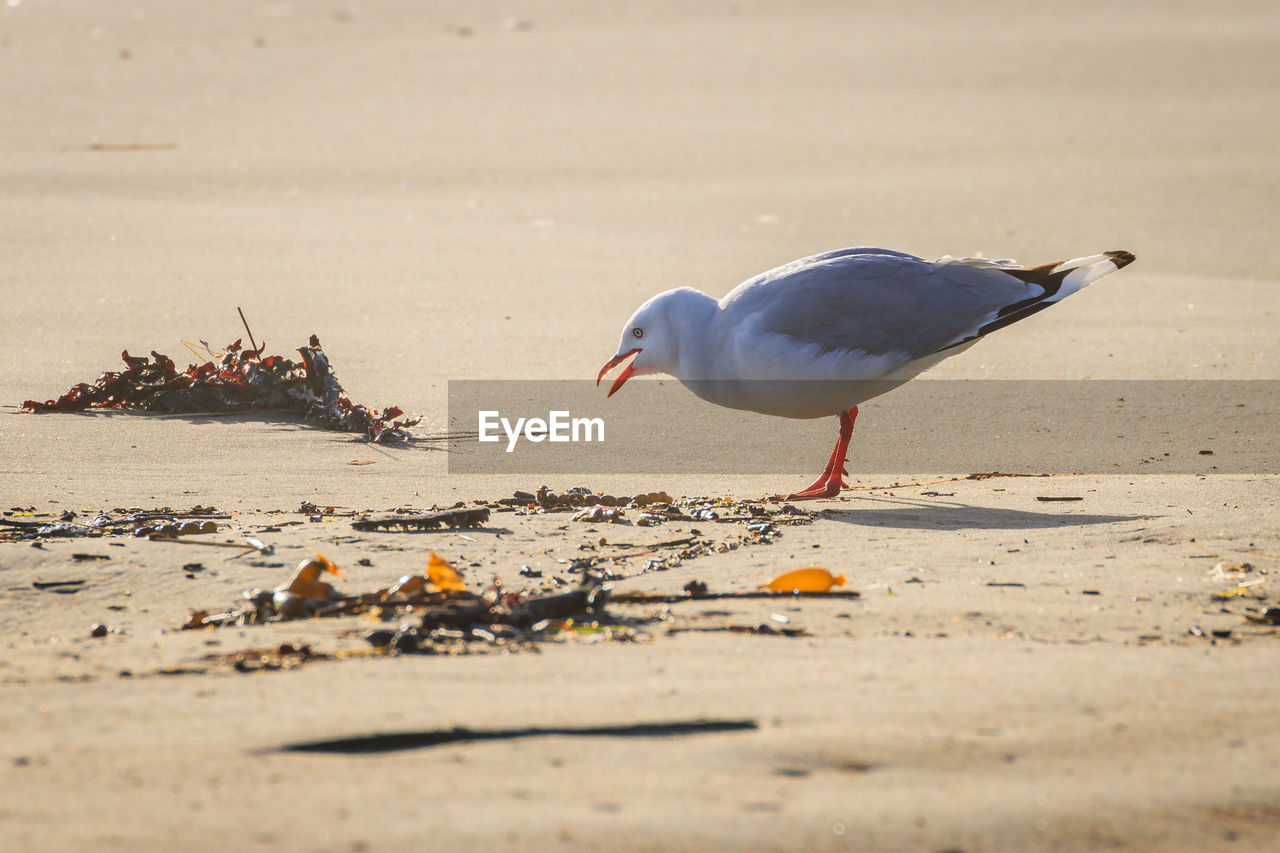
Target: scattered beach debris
[
  {"x": 282, "y": 657},
  {"x": 761, "y": 523},
  {"x": 580, "y": 496},
  {"x": 309, "y": 508},
  {"x": 434, "y": 613},
  {"x": 99, "y": 630},
  {"x": 175, "y": 528},
  {"x": 303, "y": 595},
  {"x": 157, "y": 524},
  {"x": 1048, "y": 498},
  {"x": 451, "y": 518},
  {"x": 655, "y": 507},
  {"x": 600, "y": 513},
  {"x": 235, "y": 381}
]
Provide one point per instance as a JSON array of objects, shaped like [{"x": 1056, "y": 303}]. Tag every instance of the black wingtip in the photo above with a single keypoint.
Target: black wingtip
[{"x": 1121, "y": 258}]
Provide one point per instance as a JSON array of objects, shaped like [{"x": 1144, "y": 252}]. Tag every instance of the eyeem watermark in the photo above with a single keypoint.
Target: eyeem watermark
[{"x": 558, "y": 426}]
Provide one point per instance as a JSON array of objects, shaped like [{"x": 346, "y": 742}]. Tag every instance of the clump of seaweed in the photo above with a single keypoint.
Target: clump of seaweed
[{"x": 233, "y": 381}]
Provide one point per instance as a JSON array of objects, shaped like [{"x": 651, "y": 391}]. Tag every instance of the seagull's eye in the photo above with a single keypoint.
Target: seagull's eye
[{"x": 638, "y": 332}]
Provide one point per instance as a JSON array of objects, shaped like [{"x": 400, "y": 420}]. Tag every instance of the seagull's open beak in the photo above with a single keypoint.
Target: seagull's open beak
[{"x": 623, "y": 376}]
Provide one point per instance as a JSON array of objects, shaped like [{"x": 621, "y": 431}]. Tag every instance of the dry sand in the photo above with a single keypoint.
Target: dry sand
[{"x": 440, "y": 196}]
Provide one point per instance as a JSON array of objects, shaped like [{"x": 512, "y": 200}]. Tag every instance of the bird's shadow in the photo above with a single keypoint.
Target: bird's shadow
[{"x": 908, "y": 514}]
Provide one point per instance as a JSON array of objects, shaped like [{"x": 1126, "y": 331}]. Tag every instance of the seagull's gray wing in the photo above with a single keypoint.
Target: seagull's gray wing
[{"x": 880, "y": 302}]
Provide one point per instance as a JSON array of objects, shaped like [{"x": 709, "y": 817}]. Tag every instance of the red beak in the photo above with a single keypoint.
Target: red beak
[{"x": 623, "y": 376}]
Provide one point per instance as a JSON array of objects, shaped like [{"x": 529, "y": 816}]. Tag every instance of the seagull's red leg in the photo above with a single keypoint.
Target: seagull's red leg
[
  {"x": 820, "y": 484},
  {"x": 829, "y": 483}
]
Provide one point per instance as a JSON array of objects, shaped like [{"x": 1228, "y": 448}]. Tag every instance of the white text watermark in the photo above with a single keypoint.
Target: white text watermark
[{"x": 558, "y": 426}]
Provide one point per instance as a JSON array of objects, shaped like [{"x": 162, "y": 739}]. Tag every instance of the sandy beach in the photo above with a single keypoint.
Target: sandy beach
[{"x": 1076, "y": 660}]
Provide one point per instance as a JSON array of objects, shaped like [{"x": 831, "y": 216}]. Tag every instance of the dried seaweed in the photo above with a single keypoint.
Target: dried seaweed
[
  {"x": 240, "y": 380},
  {"x": 451, "y": 518}
]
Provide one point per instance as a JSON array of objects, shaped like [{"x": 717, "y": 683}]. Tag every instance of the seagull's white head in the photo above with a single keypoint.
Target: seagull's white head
[{"x": 654, "y": 334}]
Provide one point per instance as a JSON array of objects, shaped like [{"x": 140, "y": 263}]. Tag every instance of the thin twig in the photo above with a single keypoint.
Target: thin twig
[
  {"x": 652, "y": 598},
  {"x": 987, "y": 476},
  {"x": 256, "y": 350},
  {"x": 245, "y": 547},
  {"x": 670, "y": 543}
]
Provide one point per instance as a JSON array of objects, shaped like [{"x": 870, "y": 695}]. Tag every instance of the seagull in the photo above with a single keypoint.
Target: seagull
[{"x": 820, "y": 335}]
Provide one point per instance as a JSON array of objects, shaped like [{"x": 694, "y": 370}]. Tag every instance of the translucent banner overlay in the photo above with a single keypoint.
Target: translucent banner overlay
[{"x": 568, "y": 427}]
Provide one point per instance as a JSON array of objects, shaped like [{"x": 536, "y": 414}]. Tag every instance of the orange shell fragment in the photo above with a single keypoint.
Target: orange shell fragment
[
  {"x": 311, "y": 589},
  {"x": 306, "y": 580},
  {"x": 327, "y": 565},
  {"x": 809, "y": 579},
  {"x": 443, "y": 575}
]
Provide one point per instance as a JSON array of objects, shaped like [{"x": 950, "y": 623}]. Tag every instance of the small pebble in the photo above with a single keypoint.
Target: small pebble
[
  {"x": 406, "y": 642},
  {"x": 379, "y": 639}
]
